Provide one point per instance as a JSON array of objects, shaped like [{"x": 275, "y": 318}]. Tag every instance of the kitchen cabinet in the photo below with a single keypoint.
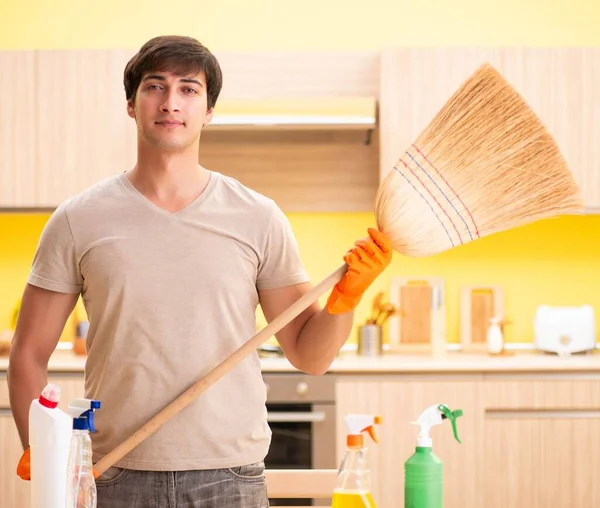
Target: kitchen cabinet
[
  {"x": 560, "y": 85},
  {"x": 542, "y": 443},
  {"x": 18, "y": 135},
  {"x": 530, "y": 436},
  {"x": 325, "y": 170},
  {"x": 528, "y": 441},
  {"x": 65, "y": 127},
  {"x": 13, "y": 490},
  {"x": 83, "y": 131},
  {"x": 400, "y": 400}
]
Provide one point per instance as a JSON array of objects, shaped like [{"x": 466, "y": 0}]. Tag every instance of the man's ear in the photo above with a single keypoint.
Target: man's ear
[
  {"x": 209, "y": 116},
  {"x": 130, "y": 109}
]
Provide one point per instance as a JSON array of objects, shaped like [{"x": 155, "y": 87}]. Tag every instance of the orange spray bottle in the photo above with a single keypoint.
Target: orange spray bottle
[{"x": 353, "y": 489}]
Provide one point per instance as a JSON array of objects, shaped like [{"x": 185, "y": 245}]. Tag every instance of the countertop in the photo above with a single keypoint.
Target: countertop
[{"x": 390, "y": 363}]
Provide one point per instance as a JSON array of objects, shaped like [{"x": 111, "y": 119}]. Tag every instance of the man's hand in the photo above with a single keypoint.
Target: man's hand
[
  {"x": 369, "y": 257},
  {"x": 24, "y": 466}
]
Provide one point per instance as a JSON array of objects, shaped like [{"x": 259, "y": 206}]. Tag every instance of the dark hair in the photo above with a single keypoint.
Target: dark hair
[{"x": 174, "y": 53}]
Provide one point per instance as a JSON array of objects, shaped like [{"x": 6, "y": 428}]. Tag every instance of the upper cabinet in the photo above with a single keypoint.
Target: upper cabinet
[
  {"x": 63, "y": 124},
  {"x": 315, "y": 131},
  {"x": 326, "y": 157},
  {"x": 83, "y": 131},
  {"x": 562, "y": 85},
  {"x": 299, "y": 128},
  {"x": 18, "y": 134}
]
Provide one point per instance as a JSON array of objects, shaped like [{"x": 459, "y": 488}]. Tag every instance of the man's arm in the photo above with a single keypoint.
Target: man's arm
[
  {"x": 311, "y": 341},
  {"x": 313, "y": 338},
  {"x": 42, "y": 318}
]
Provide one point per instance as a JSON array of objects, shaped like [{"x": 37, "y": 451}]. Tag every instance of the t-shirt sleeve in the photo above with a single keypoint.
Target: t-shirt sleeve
[
  {"x": 280, "y": 264},
  {"x": 55, "y": 265}
]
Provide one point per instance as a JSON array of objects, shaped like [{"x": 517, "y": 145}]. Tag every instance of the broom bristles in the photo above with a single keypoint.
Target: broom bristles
[{"x": 484, "y": 164}]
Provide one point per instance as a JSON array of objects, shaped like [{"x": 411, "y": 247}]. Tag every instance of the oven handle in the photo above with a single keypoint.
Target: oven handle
[{"x": 295, "y": 417}]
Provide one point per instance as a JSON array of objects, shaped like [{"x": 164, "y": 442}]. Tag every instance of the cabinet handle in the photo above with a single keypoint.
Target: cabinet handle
[
  {"x": 296, "y": 417},
  {"x": 522, "y": 414},
  {"x": 5, "y": 411}
]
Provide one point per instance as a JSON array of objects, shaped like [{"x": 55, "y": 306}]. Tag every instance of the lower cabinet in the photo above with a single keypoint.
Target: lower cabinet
[
  {"x": 399, "y": 400},
  {"x": 542, "y": 443},
  {"x": 14, "y": 492},
  {"x": 528, "y": 441}
]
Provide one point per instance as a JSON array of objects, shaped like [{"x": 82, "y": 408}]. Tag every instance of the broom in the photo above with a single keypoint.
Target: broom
[{"x": 484, "y": 164}]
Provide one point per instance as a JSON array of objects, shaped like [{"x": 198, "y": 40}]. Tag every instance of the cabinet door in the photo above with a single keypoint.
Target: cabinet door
[
  {"x": 17, "y": 129},
  {"x": 542, "y": 443},
  {"x": 13, "y": 490},
  {"x": 560, "y": 85},
  {"x": 84, "y": 131},
  {"x": 400, "y": 401}
]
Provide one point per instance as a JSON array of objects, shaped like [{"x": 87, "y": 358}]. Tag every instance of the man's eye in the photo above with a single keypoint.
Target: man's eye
[{"x": 190, "y": 90}]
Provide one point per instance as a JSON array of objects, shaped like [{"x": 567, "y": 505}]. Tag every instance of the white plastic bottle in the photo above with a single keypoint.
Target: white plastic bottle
[
  {"x": 50, "y": 443},
  {"x": 81, "y": 485},
  {"x": 495, "y": 339}
]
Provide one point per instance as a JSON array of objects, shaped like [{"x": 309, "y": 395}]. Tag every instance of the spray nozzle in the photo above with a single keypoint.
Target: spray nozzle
[
  {"x": 452, "y": 416},
  {"x": 82, "y": 411},
  {"x": 357, "y": 424},
  {"x": 434, "y": 415}
]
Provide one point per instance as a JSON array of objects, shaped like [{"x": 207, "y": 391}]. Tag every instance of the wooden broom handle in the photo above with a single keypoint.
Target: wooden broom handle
[{"x": 216, "y": 373}]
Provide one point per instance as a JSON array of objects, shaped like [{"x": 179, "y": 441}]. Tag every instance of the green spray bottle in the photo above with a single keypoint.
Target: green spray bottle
[{"x": 423, "y": 474}]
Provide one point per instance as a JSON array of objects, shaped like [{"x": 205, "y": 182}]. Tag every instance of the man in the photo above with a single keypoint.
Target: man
[{"x": 171, "y": 260}]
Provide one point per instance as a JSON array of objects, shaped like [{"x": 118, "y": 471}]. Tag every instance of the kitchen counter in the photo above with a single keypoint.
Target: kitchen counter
[
  {"x": 351, "y": 363},
  {"x": 451, "y": 362}
]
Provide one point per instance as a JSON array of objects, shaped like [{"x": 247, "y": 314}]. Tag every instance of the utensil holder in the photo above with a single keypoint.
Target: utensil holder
[{"x": 370, "y": 340}]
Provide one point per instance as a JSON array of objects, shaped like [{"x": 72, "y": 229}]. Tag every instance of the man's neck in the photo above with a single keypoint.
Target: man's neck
[{"x": 170, "y": 180}]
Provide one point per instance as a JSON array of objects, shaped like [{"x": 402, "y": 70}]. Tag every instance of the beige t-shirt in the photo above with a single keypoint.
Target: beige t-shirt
[{"x": 168, "y": 297}]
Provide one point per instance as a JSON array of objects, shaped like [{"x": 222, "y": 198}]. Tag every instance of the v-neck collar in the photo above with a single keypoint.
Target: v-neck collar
[{"x": 212, "y": 180}]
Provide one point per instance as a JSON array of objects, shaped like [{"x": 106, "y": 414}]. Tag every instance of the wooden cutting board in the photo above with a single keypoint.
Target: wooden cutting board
[
  {"x": 415, "y": 315},
  {"x": 421, "y": 313},
  {"x": 478, "y": 304}
]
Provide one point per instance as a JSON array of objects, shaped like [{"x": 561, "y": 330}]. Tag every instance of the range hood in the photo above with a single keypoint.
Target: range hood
[{"x": 295, "y": 113}]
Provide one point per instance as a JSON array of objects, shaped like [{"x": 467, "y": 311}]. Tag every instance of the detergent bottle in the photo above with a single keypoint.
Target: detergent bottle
[
  {"x": 81, "y": 484},
  {"x": 353, "y": 489},
  {"x": 423, "y": 475},
  {"x": 50, "y": 442}
]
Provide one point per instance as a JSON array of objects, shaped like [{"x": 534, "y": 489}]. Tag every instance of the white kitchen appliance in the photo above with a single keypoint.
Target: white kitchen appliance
[{"x": 564, "y": 330}]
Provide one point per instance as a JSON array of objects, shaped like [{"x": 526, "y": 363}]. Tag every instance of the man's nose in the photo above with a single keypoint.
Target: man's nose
[{"x": 171, "y": 102}]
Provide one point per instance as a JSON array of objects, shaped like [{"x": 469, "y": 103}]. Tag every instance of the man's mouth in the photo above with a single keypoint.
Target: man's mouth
[{"x": 169, "y": 123}]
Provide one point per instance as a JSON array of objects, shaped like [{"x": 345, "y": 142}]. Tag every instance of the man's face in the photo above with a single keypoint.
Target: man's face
[{"x": 170, "y": 110}]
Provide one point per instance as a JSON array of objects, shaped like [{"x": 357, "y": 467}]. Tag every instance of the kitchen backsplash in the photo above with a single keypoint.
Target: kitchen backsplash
[{"x": 553, "y": 262}]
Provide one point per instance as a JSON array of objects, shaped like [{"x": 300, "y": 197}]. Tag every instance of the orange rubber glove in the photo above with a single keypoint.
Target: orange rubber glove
[
  {"x": 369, "y": 257},
  {"x": 24, "y": 466}
]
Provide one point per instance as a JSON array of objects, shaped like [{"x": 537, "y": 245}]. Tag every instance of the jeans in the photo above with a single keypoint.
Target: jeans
[{"x": 236, "y": 487}]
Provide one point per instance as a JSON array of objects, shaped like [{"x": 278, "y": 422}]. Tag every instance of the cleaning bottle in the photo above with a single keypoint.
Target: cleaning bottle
[
  {"x": 50, "y": 442},
  {"x": 81, "y": 484},
  {"x": 353, "y": 489},
  {"x": 423, "y": 475},
  {"x": 494, "y": 337}
]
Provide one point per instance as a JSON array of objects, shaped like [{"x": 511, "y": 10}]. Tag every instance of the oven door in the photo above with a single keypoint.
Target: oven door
[{"x": 303, "y": 437}]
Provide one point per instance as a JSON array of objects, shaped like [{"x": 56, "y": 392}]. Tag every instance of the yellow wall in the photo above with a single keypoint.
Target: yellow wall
[
  {"x": 552, "y": 262},
  {"x": 311, "y": 24}
]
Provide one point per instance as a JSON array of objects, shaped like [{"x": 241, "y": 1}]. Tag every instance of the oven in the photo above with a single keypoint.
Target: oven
[{"x": 302, "y": 417}]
